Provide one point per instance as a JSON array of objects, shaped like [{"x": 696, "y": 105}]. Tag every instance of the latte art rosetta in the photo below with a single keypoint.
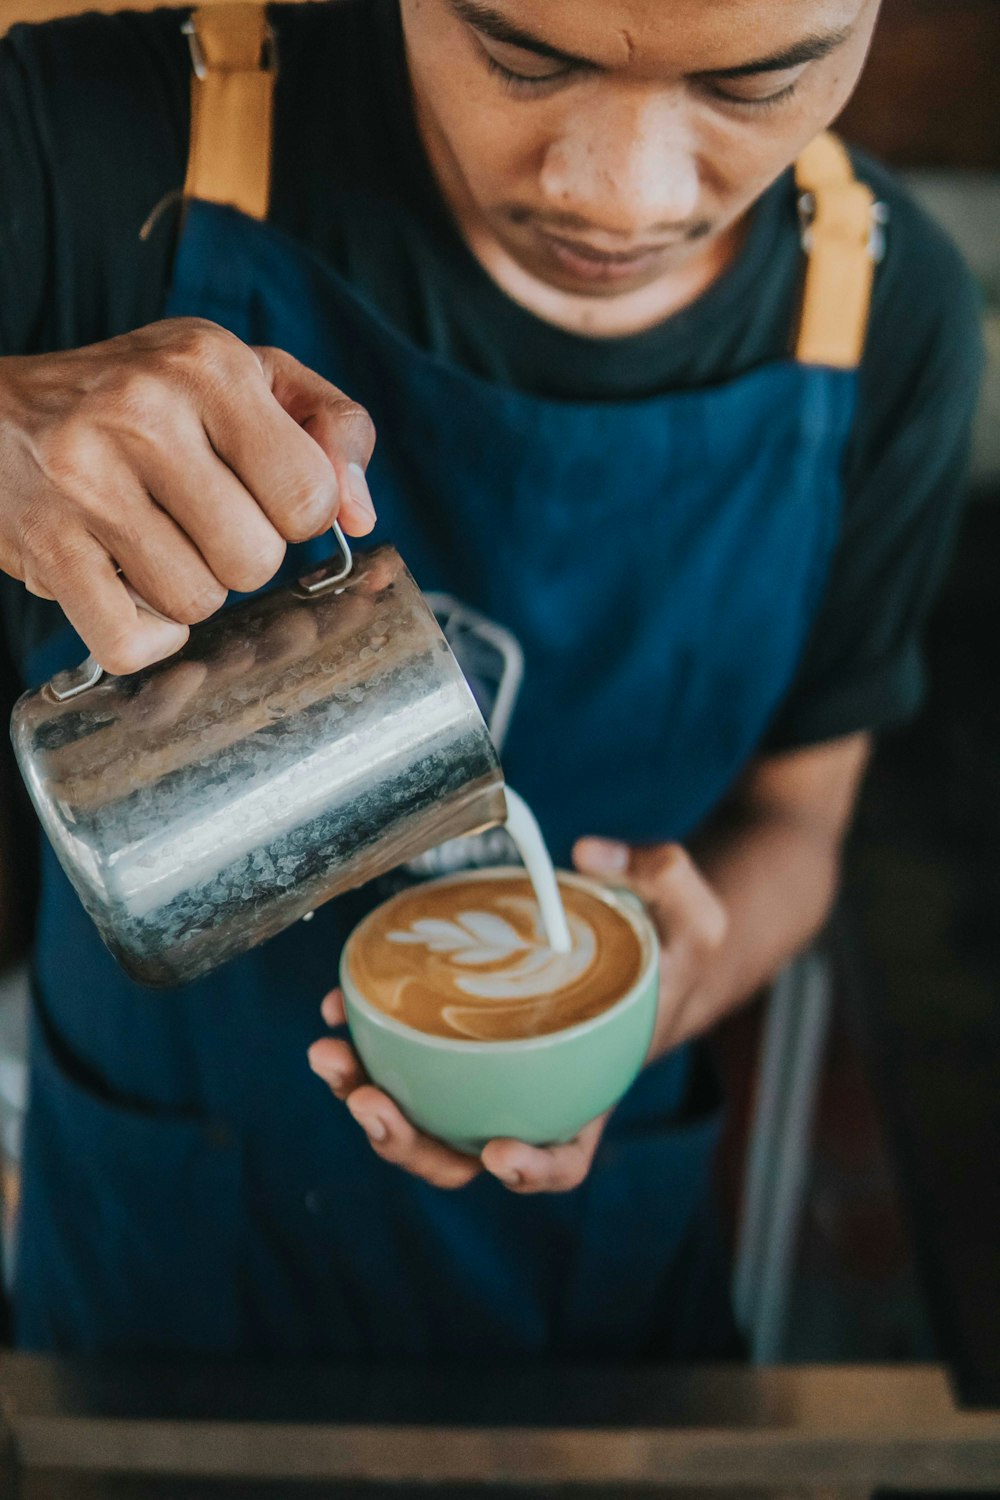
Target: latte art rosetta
[
  {"x": 470, "y": 959},
  {"x": 519, "y": 968}
]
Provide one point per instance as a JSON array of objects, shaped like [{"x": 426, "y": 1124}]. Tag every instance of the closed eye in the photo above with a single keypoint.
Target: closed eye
[
  {"x": 752, "y": 102},
  {"x": 527, "y": 82}
]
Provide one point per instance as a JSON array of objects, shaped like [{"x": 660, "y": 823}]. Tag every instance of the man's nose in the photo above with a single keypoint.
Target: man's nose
[{"x": 626, "y": 166}]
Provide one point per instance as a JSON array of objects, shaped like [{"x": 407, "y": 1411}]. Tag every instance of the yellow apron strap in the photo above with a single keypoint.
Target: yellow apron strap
[
  {"x": 232, "y": 106},
  {"x": 842, "y": 235}
]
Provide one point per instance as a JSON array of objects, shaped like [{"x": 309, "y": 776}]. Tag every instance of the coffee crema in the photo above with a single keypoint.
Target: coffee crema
[{"x": 468, "y": 959}]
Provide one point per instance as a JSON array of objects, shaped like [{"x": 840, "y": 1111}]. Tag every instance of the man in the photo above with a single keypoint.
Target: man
[{"x": 643, "y": 399}]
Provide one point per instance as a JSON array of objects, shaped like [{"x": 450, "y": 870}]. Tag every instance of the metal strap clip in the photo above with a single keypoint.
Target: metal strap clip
[
  {"x": 876, "y": 226},
  {"x": 322, "y": 578},
  {"x": 199, "y": 62}
]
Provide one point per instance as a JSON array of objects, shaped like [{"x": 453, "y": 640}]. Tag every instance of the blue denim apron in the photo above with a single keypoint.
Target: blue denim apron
[{"x": 188, "y": 1184}]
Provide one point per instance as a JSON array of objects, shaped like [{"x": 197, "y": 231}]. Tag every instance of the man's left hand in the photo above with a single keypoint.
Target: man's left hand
[{"x": 691, "y": 923}]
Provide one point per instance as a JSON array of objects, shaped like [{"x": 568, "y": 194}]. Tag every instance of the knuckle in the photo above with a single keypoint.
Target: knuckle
[
  {"x": 388, "y": 1149},
  {"x": 197, "y": 344},
  {"x": 184, "y": 597},
  {"x": 310, "y": 509},
  {"x": 139, "y": 396},
  {"x": 715, "y": 924},
  {"x": 35, "y": 534},
  {"x": 64, "y": 565},
  {"x": 120, "y": 653},
  {"x": 190, "y": 332},
  {"x": 123, "y": 532},
  {"x": 358, "y": 427},
  {"x": 197, "y": 601},
  {"x": 206, "y": 362},
  {"x": 677, "y": 862},
  {"x": 68, "y": 452},
  {"x": 252, "y": 571}
]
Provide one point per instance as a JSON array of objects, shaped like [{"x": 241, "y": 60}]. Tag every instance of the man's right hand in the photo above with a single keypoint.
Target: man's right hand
[{"x": 179, "y": 456}]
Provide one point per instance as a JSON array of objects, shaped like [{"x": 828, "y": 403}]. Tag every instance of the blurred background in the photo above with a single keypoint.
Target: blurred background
[{"x": 861, "y": 1169}]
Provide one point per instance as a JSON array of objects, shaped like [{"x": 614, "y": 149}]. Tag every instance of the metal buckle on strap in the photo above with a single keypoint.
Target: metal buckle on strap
[
  {"x": 876, "y": 226},
  {"x": 199, "y": 62},
  {"x": 876, "y": 233}
]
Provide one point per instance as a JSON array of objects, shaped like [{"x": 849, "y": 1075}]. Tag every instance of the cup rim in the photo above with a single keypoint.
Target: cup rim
[{"x": 636, "y": 915}]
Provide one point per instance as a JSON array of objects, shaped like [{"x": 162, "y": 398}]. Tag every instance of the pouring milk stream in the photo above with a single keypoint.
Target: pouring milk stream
[{"x": 527, "y": 836}]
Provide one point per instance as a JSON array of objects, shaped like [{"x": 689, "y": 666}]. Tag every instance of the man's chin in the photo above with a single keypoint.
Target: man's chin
[
  {"x": 561, "y": 266},
  {"x": 604, "y": 288}
]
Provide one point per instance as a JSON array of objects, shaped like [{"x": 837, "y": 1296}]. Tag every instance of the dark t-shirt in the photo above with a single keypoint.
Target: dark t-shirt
[{"x": 94, "y": 134}]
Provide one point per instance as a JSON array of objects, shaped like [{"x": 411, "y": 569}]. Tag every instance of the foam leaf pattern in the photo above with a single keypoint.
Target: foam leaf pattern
[
  {"x": 484, "y": 937},
  {"x": 522, "y": 969}
]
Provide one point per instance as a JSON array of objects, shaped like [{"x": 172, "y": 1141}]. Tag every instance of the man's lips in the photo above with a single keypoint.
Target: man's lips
[{"x": 592, "y": 264}]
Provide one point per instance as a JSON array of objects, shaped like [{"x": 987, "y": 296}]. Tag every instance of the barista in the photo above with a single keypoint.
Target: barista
[{"x": 650, "y": 396}]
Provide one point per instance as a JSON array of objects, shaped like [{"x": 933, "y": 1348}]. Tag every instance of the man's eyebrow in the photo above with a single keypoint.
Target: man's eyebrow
[
  {"x": 492, "y": 24},
  {"x": 808, "y": 50}
]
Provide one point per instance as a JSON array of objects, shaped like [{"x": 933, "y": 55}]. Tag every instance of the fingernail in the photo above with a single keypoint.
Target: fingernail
[
  {"x": 374, "y": 1129},
  {"x": 360, "y": 493},
  {"x": 602, "y": 856},
  {"x": 509, "y": 1179},
  {"x": 330, "y": 1011}
]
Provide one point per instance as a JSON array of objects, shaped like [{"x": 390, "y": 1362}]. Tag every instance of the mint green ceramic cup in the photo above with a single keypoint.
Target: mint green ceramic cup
[{"x": 540, "y": 1089}]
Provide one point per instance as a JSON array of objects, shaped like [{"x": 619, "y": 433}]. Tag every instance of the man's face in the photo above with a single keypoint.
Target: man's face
[{"x": 601, "y": 144}]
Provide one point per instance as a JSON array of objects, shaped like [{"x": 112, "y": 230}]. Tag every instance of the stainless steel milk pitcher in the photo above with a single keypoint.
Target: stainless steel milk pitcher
[{"x": 300, "y": 744}]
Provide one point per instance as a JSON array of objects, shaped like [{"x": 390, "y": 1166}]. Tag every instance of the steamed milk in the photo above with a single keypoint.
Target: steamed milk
[
  {"x": 469, "y": 958},
  {"x": 527, "y": 836},
  {"x": 494, "y": 958}
]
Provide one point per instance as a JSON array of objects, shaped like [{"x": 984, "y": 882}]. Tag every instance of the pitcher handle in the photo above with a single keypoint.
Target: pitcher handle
[
  {"x": 76, "y": 680},
  {"x": 322, "y": 578}
]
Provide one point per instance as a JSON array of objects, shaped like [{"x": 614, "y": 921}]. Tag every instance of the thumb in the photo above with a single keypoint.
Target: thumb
[
  {"x": 342, "y": 428},
  {"x": 642, "y": 868},
  {"x": 681, "y": 899},
  {"x": 601, "y": 857},
  {"x": 666, "y": 880}
]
